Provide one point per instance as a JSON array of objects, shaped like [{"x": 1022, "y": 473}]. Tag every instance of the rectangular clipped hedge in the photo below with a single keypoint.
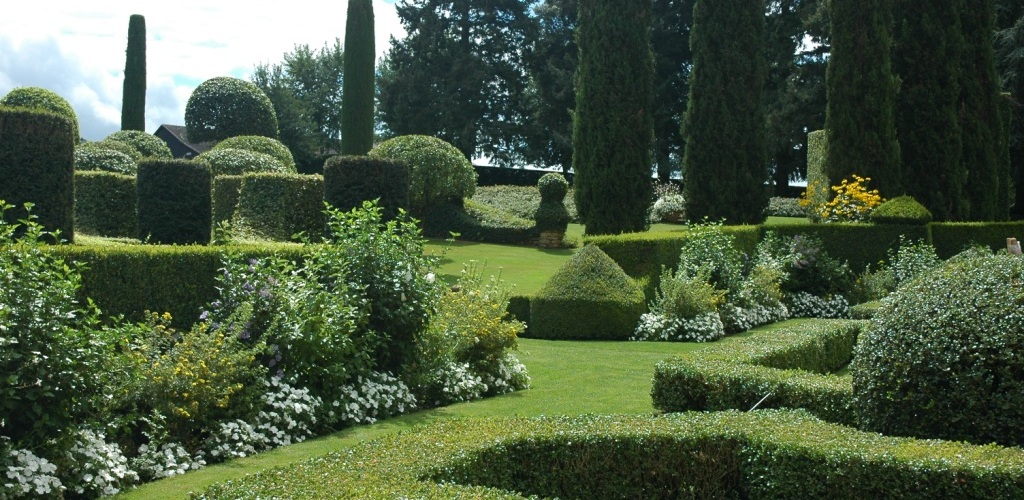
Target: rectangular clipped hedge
[
  {"x": 950, "y": 238},
  {"x": 790, "y": 363},
  {"x": 131, "y": 279},
  {"x": 859, "y": 244}
]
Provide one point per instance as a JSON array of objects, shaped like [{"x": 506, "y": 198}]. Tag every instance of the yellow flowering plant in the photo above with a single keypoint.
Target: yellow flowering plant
[{"x": 853, "y": 202}]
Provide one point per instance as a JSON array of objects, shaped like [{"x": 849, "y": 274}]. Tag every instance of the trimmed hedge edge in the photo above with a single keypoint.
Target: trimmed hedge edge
[
  {"x": 762, "y": 454},
  {"x": 790, "y": 363}
]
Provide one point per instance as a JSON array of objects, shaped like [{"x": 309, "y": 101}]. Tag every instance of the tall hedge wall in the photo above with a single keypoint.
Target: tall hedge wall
[
  {"x": 173, "y": 203},
  {"x": 351, "y": 180},
  {"x": 105, "y": 204},
  {"x": 37, "y": 165},
  {"x": 279, "y": 206}
]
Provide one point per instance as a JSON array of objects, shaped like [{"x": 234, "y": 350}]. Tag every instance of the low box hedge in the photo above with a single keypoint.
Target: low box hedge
[
  {"x": 789, "y": 362},
  {"x": 762, "y": 454},
  {"x": 951, "y": 238},
  {"x": 860, "y": 244},
  {"x": 131, "y": 279}
]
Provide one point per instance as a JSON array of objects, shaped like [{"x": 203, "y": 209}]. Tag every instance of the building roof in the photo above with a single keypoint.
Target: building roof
[{"x": 176, "y": 138}]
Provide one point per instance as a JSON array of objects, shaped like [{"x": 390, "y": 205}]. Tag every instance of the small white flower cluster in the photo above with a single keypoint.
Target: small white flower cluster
[
  {"x": 234, "y": 439},
  {"x": 99, "y": 467},
  {"x": 805, "y": 305},
  {"x": 703, "y": 328},
  {"x": 377, "y": 395},
  {"x": 508, "y": 375},
  {"x": 166, "y": 460},
  {"x": 27, "y": 475},
  {"x": 289, "y": 414},
  {"x": 741, "y": 319},
  {"x": 457, "y": 383}
]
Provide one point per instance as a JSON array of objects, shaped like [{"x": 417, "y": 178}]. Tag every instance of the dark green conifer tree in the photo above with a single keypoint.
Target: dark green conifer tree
[
  {"x": 984, "y": 152},
  {"x": 725, "y": 165},
  {"x": 133, "y": 104},
  {"x": 861, "y": 90},
  {"x": 613, "y": 125},
  {"x": 927, "y": 48},
  {"x": 358, "y": 86}
]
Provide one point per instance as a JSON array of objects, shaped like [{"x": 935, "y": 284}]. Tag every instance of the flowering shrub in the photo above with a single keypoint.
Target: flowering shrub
[
  {"x": 23, "y": 474},
  {"x": 157, "y": 461},
  {"x": 853, "y": 202},
  {"x": 701, "y": 328},
  {"x": 97, "y": 468},
  {"x": 371, "y": 397},
  {"x": 805, "y": 305}
]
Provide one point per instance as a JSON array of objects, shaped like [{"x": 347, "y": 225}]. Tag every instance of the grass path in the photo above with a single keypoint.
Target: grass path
[{"x": 568, "y": 378}]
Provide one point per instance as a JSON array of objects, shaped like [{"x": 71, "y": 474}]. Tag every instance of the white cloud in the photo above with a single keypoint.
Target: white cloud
[{"x": 77, "y": 48}]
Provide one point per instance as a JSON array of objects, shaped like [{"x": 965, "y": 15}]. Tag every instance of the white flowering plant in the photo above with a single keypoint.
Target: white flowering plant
[
  {"x": 95, "y": 467},
  {"x": 24, "y": 475}
]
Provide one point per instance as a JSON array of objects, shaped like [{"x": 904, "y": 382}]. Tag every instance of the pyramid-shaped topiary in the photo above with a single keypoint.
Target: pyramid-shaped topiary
[{"x": 590, "y": 297}]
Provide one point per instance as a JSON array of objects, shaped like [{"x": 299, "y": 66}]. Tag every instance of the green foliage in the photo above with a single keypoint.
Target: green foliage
[
  {"x": 280, "y": 207},
  {"x": 37, "y": 161},
  {"x": 553, "y": 187},
  {"x": 230, "y": 161},
  {"x": 669, "y": 208},
  {"x": 859, "y": 244},
  {"x": 985, "y": 135},
  {"x": 351, "y": 180},
  {"x": 708, "y": 249},
  {"x": 859, "y": 118},
  {"x": 97, "y": 156},
  {"x": 791, "y": 362},
  {"x": 49, "y": 354},
  {"x": 438, "y": 172},
  {"x": 474, "y": 221},
  {"x": 785, "y": 207},
  {"x": 901, "y": 210},
  {"x": 589, "y": 297},
  {"x": 133, "y": 102},
  {"x": 359, "y": 89},
  {"x": 817, "y": 172},
  {"x": 224, "y": 107},
  {"x": 684, "y": 296},
  {"x": 724, "y": 166},
  {"x": 703, "y": 455},
  {"x": 951, "y": 238},
  {"x": 226, "y": 189},
  {"x": 943, "y": 358},
  {"x": 147, "y": 145},
  {"x": 105, "y": 204},
  {"x": 42, "y": 99},
  {"x": 260, "y": 144},
  {"x": 928, "y": 44},
  {"x": 521, "y": 201},
  {"x": 551, "y": 214},
  {"x": 612, "y": 121},
  {"x": 174, "y": 202}
]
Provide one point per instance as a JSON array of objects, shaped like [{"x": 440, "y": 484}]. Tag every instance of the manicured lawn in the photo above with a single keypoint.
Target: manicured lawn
[{"x": 568, "y": 378}]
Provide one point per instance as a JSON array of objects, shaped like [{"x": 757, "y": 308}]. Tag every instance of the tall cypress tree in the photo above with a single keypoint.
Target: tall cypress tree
[
  {"x": 133, "y": 103},
  {"x": 927, "y": 48},
  {"x": 725, "y": 165},
  {"x": 984, "y": 153},
  {"x": 358, "y": 86},
  {"x": 861, "y": 90},
  {"x": 612, "y": 126}
]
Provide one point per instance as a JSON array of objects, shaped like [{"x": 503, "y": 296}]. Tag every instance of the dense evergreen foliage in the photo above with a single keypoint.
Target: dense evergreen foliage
[
  {"x": 1009, "y": 38},
  {"x": 928, "y": 46},
  {"x": 859, "y": 119},
  {"x": 358, "y": 87},
  {"x": 133, "y": 103},
  {"x": 174, "y": 204},
  {"x": 725, "y": 166},
  {"x": 224, "y": 107},
  {"x": 40, "y": 98}
]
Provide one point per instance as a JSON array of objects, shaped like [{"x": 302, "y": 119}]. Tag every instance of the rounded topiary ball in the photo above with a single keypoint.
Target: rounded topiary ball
[
  {"x": 225, "y": 107},
  {"x": 553, "y": 187},
  {"x": 438, "y": 172},
  {"x": 40, "y": 98},
  {"x": 147, "y": 145},
  {"x": 901, "y": 210},
  {"x": 260, "y": 144},
  {"x": 229, "y": 161},
  {"x": 96, "y": 156},
  {"x": 944, "y": 355}
]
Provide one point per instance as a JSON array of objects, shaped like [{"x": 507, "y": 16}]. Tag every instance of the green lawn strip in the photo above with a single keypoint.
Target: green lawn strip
[{"x": 568, "y": 378}]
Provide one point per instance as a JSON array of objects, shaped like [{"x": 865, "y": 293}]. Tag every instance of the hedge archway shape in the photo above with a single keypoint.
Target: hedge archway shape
[{"x": 224, "y": 107}]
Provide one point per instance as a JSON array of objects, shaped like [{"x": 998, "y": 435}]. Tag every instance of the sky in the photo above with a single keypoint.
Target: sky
[{"x": 77, "y": 49}]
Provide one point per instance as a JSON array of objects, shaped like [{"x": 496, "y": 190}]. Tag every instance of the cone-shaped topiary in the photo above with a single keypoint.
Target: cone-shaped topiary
[
  {"x": 590, "y": 297},
  {"x": 901, "y": 210}
]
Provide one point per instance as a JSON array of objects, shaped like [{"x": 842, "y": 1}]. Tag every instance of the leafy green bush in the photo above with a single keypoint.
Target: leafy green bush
[
  {"x": 669, "y": 208},
  {"x": 785, "y": 207},
  {"x": 147, "y": 145},
  {"x": 174, "y": 202},
  {"x": 37, "y": 162},
  {"x": 943, "y": 357},
  {"x": 224, "y": 107},
  {"x": 951, "y": 238},
  {"x": 96, "y": 156},
  {"x": 763, "y": 454},
  {"x": 42, "y": 99},
  {"x": 261, "y": 144},
  {"x": 438, "y": 172},
  {"x": 226, "y": 189},
  {"x": 474, "y": 221},
  {"x": 227, "y": 161},
  {"x": 551, "y": 214},
  {"x": 105, "y": 204},
  {"x": 279, "y": 207},
  {"x": 901, "y": 210},
  {"x": 522, "y": 201},
  {"x": 589, "y": 297},
  {"x": 351, "y": 180}
]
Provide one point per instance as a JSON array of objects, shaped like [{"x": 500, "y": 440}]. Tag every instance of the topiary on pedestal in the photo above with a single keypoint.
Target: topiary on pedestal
[
  {"x": 590, "y": 297},
  {"x": 944, "y": 356},
  {"x": 551, "y": 215}
]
